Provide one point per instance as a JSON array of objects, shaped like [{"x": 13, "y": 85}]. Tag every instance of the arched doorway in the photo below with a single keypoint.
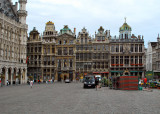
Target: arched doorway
[
  {"x": 14, "y": 75},
  {"x": 3, "y": 76},
  {"x": 9, "y": 76}
]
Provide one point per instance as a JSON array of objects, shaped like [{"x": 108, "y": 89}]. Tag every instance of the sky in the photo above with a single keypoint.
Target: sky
[{"x": 142, "y": 15}]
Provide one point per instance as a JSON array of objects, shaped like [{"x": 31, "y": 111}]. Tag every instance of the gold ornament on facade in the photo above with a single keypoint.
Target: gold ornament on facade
[{"x": 50, "y": 23}]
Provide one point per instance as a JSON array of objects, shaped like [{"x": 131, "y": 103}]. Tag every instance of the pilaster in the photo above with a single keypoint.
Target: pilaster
[{"x": 6, "y": 76}]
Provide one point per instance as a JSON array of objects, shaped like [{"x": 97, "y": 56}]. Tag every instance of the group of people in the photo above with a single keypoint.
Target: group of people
[{"x": 32, "y": 82}]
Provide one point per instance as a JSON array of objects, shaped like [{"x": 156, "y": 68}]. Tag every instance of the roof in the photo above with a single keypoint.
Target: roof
[
  {"x": 125, "y": 26},
  {"x": 50, "y": 23},
  {"x": 66, "y": 30},
  {"x": 153, "y": 44}
]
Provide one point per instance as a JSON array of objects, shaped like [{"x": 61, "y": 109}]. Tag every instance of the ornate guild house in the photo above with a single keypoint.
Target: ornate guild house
[
  {"x": 13, "y": 42},
  {"x": 61, "y": 55}
]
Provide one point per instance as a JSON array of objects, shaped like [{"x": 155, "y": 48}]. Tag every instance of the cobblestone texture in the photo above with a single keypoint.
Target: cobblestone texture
[{"x": 61, "y": 98}]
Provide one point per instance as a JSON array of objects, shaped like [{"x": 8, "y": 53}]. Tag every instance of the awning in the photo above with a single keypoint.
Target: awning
[
  {"x": 100, "y": 72},
  {"x": 118, "y": 71},
  {"x": 96, "y": 72},
  {"x": 104, "y": 72},
  {"x": 136, "y": 71}
]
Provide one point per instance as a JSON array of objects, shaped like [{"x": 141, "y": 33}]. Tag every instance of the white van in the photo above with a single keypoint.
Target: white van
[{"x": 99, "y": 77}]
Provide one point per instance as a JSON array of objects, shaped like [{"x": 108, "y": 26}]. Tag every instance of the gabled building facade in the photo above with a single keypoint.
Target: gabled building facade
[
  {"x": 127, "y": 53},
  {"x": 65, "y": 56},
  {"x": 13, "y": 42},
  {"x": 101, "y": 52},
  {"x": 84, "y": 53}
]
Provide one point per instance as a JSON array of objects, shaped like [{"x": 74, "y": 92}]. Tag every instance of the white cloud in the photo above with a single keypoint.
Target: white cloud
[{"x": 142, "y": 15}]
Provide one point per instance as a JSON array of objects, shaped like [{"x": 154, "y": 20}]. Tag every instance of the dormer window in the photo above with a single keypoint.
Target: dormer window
[
  {"x": 65, "y": 41},
  {"x": 59, "y": 42},
  {"x": 34, "y": 36}
]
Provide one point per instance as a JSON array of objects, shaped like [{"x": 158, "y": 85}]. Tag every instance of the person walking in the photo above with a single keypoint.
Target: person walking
[
  {"x": 0, "y": 83},
  {"x": 96, "y": 83},
  {"x": 145, "y": 82},
  {"x": 31, "y": 83},
  {"x": 7, "y": 83}
]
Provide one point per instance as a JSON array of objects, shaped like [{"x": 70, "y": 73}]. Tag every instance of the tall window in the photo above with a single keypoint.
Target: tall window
[
  {"x": 59, "y": 63},
  {"x": 65, "y": 42},
  {"x": 132, "y": 47},
  {"x": 77, "y": 56},
  {"x": 52, "y": 60},
  {"x": 98, "y": 47},
  {"x": 71, "y": 63},
  {"x": 65, "y": 52},
  {"x": 136, "y": 59},
  {"x": 35, "y": 49},
  {"x": 53, "y": 49},
  {"x": 81, "y": 56},
  {"x": 70, "y": 51},
  {"x": 112, "y": 59},
  {"x": 89, "y": 56},
  {"x": 127, "y": 60},
  {"x": 112, "y": 48},
  {"x": 59, "y": 51},
  {"x": 45, "y": 60},
  {"x": 136, "y": 48},
  {"x": 132, "y": 62},
  {"x": 117, "y": 48},
  {"x": 106, "y": 47},
  {"x": 48, "y": 49},
  {"x": 126, "y": 36},
  {"x": 85, "y": 40},
  {"x": 140, "y": 59},
  {"x": 117, "y": 59},
  {"x": 71, "y": 42},
  {"x": 140, "y": 48},
  {"x": 65, "y": 63},
  {"x": 81, "y": 40},
  {"x": 59, "y": 42},
  {"x": 121, "y": 48},
  {"x": 121, "y": 59},
  {"x": 39, "y": 49},
  {"x": 31, "y": 49},
  {"x": 95, "y": 47},
  {"x": 103, "y": 38}
]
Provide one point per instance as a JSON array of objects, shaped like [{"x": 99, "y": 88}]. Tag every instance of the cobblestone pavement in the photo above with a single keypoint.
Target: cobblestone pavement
[{"x": 61, "y": 98}]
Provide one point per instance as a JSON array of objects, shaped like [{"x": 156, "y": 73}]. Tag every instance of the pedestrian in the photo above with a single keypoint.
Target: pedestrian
[
  {"x": 0, "y": 83},
  {"x": 51, "y": 81},
  {"x": 96, "y": 83},
  {"x": 46, "y": 82},
  {"x": 7, "y": 83},
  {"x": 145, "y": 82},
  {"x": 31, "y": 83}
]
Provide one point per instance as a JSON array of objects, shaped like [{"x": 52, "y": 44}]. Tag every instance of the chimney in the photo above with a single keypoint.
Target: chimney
[
  {"x": 139, "y": 37},
  {"x": 74, "y": 30}
]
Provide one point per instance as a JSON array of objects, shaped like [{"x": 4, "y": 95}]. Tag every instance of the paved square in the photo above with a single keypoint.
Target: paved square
[{"x": 61, "y": 98}]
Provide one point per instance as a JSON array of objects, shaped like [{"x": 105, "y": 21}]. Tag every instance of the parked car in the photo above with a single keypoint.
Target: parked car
[
  {"x": 89, "y": 81},
  {"x": 67, "y": 81}
]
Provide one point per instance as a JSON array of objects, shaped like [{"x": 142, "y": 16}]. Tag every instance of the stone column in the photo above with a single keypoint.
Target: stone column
[
  {"x": 21, "y": 72},
  {"x": 6, "y": 76},
  {"x": 56, "y": 77},
  {"x": 74, "y": 79},
  {"x": 12, "y": 74},
  {"x": 0, "y": 76},
  {"x": 25, "y": 76}
]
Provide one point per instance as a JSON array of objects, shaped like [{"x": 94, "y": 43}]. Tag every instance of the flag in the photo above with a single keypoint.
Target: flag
[{"x": 27, "y": 59}]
